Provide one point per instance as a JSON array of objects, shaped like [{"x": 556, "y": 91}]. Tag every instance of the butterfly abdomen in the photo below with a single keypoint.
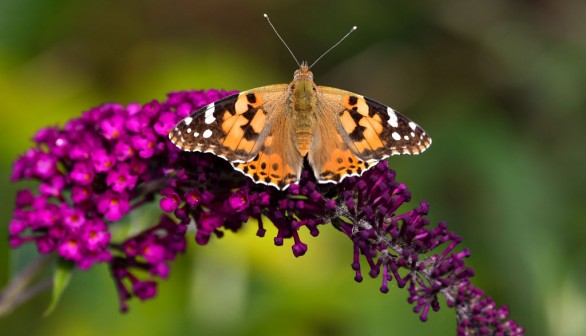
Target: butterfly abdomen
[{"x": 304, "y": 101}]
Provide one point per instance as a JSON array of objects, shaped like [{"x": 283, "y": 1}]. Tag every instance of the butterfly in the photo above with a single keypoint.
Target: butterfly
[{"x": 267, "y": 132}]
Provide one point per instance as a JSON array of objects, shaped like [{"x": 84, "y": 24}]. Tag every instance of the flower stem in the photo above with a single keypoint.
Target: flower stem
[{"x": 19, "y": 290}]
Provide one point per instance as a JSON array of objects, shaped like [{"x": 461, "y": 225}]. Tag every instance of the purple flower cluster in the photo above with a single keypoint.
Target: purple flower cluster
[
  {"x": 402, "y": 246},
  {"x": 208, "y": 191},
  {"x": 93, "y": 172},
  {"x": 115, "y": 159}
]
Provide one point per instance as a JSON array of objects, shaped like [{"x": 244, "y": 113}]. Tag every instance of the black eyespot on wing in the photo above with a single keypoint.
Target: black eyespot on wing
[{"x": 251, "y": 97}]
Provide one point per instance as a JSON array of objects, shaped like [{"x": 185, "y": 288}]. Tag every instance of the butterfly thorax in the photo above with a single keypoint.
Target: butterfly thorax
[{"x": 304, "y": 107}]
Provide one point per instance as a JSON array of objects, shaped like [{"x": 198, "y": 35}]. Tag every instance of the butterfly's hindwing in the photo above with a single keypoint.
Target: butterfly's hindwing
[
  {"x": 332, "y": 160},
  {"x": 278, "y": 162}
]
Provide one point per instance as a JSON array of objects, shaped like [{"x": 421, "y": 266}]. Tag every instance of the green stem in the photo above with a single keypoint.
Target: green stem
[{"x": 20, "y": 290}]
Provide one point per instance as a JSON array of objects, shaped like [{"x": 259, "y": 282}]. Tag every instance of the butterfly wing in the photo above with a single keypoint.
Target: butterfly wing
[
  {"x": 367, "y": 131},
  {"x": 233, "y": 127},
  {"x": 278, "y": 163},
  {"x": 330, "y": 157},
  {"x": 240, "y": 128}
]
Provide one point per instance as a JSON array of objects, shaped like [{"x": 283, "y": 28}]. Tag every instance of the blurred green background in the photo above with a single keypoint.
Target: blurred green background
[{"x": 499, "y": 85}]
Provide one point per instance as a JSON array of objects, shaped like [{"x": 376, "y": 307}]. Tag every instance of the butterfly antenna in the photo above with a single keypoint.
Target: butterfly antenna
[
  {"x": 280, "y": 38},
  {"x": 335, "y": 45}
]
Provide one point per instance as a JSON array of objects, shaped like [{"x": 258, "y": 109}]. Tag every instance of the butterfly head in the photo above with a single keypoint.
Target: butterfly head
[{"x": 303, "y": 72}]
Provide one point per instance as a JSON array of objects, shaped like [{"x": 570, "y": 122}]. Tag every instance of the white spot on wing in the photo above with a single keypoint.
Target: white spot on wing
[
  {"x": 207, "y": 134},
  {"x": 406, "y": 137},
  {"x": 396, "y": 136},
  {"x": 412, "y": 125},
  {"x": 189, "y": 130},
  {"x": 188, "y": 120},
  {"x": 209, "y": 114},
  {"x": 393, "y": 121},
  {"x": 196, "y": 134}
]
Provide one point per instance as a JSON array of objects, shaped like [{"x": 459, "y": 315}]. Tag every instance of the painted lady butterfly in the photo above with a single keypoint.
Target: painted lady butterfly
[{"x": 267, "y": 132}]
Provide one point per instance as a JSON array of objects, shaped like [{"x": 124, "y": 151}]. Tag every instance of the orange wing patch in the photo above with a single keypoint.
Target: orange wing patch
[
  {"x": 331, "y": 157},
  {"x": 362, "y": 129},
  {"x": 341, "y": 163},
  {"x": 248, "y": 100},
  {"x": 270, "y": 166},
  {"x": 244, "y": 127},
  {"x": 258, "y": 122},
  {"x": 234, "y": 132},
  {"x": 350, "y": 126},
  {"x": 268, "y": 169}
]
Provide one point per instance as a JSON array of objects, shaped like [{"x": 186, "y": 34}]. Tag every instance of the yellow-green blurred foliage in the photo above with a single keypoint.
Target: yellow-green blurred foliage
[{"x": 500, "y": 85}]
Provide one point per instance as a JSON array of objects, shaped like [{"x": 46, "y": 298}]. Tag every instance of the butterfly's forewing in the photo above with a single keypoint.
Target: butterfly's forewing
[
  {"x": 373, "y": 130},
  {"x": 234, "y": 127},
  {"x": 367, "y": 132}
]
